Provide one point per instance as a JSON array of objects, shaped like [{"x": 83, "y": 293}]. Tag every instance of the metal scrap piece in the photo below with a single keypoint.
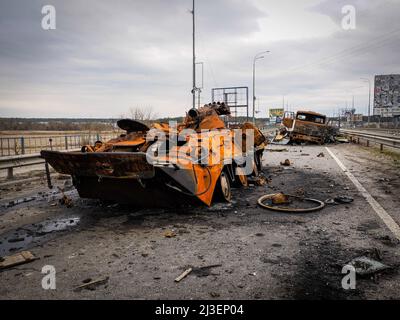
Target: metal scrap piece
[{"x": 366, "y": 266}]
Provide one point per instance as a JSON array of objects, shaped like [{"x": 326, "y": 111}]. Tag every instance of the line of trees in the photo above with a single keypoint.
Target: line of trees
[
  {"x": 146, "y": 115},
  {"x": 53, "y": 125}
]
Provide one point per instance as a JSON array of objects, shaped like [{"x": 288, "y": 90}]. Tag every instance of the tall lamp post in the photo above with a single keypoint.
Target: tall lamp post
[
  {"x": 256, "y": 57},
  {"x": 202, "y": 83},
  {"x": 194, "y": 55},
  {"x": 369, "y": 96}
]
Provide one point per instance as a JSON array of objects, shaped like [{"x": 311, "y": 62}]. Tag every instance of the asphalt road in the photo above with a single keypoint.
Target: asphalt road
[{"x": 236, "y": 250}]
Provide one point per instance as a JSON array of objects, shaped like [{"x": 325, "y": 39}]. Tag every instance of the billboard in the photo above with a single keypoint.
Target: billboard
[
  {"x": 387, "y": 95},
  {"x": 273, "y": 113},
  {"x": 356, "y": 118}
]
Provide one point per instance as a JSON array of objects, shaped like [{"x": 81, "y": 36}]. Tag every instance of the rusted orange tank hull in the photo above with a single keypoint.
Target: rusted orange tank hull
[
  {"x": 130, "y": 168},
  {"x": 128, "y": 178}
]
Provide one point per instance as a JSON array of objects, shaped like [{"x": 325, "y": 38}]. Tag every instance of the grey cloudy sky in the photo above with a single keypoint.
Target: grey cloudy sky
[{"x": 107, "y": 56}]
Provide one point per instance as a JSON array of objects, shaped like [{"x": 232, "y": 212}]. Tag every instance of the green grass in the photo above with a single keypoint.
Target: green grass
[{"x": 387, "y": 153}]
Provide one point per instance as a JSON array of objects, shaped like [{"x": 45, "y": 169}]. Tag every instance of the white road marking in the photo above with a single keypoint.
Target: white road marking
[{"x": 380, "y": 211}]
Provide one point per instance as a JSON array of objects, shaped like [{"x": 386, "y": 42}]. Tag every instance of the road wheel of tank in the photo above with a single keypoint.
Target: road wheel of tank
[
  {"x": 222, "y": 191},
  {"x": 240, "y": 178}
]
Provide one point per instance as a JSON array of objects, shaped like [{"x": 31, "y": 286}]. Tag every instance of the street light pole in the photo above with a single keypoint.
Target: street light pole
[
  {"x": 369, "y": 97},
  {"x": 254, "y": 83},
  {"x": 256, "y": 57},
  {"x": 194, "y": 60},
  {"x": 202, "y": 83}
]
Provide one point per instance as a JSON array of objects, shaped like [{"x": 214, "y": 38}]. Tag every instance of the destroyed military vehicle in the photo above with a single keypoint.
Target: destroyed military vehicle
[
  {"x": 306, "y": 126},
  {"x": 166, "y": 164}
]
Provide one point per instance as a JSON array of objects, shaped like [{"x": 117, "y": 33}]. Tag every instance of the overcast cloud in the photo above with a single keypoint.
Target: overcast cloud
[{"x": 107, "y": 56}]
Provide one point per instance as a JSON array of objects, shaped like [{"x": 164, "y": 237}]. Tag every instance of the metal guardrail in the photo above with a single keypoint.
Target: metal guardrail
[
  {"x": 10, "y": 163},
  {"x": 382, "y": 140},
  {"x": 15, "y": 146}
]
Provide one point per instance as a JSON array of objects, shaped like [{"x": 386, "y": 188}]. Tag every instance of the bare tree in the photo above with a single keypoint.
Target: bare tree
[{"x": 144, "y": 114}]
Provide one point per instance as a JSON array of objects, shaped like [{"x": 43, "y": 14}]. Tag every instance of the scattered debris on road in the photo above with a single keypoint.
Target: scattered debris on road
[
  {"x": 67, "y": 201},
  {"x": 341, "y": 139},
  {"x": 330, "y": 201},
  {"x": 19, "y": 201},
  {"x": 321, "y": 155},
  {"x": 91, "y": 284},
  {"x": 169, "y": 234},
  {"x": 286, "y": 163},
  {"x": 280, "y": 140},
  {"x": 300, "y": 192},
  {"x": 220, "y": 207},
  {"x": 214, "y": 294},
  {"x": 298, "y": 207},
  {"x": 260, "y": 181},
  {"x": 343, "y": 199},
  {"x": 366, "y": 266},
  {"x": 280, "y": 198},
  {"x": 16, "y": 239},
  {"x": 339, "y": 200},
  {"x": 183, "y": 275},
  {"x": 278, "y": 150},
  {"x": 16, "y": 259}
]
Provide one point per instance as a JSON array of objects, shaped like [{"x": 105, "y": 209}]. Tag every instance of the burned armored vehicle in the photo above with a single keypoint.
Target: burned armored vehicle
[
  {"x": 306, "y": 126},
  {"x": 166, "y": 164}
]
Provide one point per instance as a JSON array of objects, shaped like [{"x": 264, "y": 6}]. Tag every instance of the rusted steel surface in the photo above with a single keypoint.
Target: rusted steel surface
[
  {"x": 307, "y": 126},
  {"x": 100, "y": 164},
  {"x": 147, "y": 193},
  {"x": 145, "y": 166}
]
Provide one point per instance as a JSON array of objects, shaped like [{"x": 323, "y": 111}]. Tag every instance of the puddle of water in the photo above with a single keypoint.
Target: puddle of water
[
  {"x": 58, "y": 225},
  {"x": 33, "y": 234}
]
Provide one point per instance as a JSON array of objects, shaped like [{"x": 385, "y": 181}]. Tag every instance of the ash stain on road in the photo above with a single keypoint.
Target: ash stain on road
[{"x": 318, "y": 274}]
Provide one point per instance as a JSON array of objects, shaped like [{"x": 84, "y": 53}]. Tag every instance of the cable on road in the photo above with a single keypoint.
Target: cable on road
[{"x": 320, "y": 204}]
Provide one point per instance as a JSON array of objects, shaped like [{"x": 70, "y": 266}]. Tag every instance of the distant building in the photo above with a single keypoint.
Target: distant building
[{"x": 387, "y": 95}]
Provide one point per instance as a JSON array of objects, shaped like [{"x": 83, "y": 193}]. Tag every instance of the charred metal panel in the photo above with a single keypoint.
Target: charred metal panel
[
  {"x": 147, "y": 193},
  {"x": 101, "y": 164}
]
